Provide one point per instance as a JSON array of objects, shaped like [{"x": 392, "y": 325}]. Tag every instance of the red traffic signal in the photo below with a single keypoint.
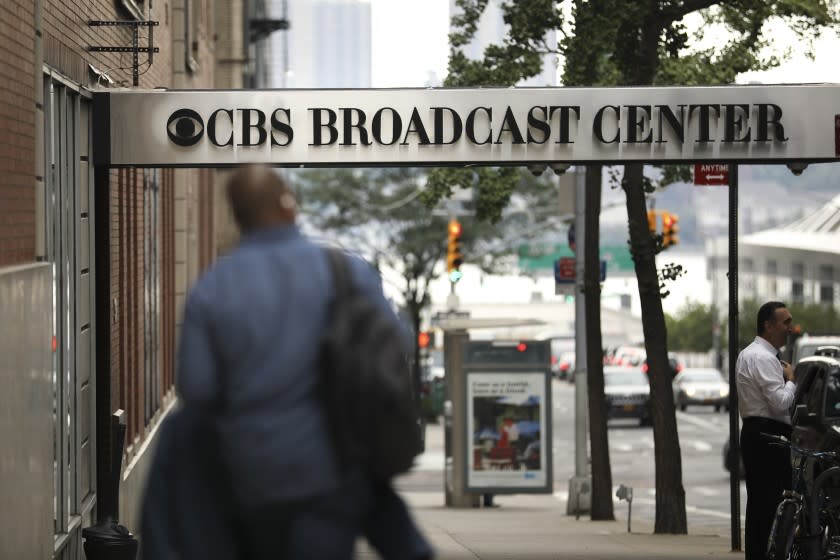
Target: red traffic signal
[
  {"x": 454, "y": 258},
  {"x": 670, "y": 229}
]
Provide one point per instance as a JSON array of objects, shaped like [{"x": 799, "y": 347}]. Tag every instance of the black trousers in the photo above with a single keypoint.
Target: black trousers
[{"x": 768, "y": 473}]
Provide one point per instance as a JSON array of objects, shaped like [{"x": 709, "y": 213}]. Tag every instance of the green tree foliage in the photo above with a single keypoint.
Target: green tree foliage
[
  {"x": 651, "y": 40},
  {"x": 690, "y": 329},
  {"x": 614, "y": 42},
  {"x": 376, "y": 213},
  {"x": 379, "y": 214},
  {"x": 814, "y": 319},
  {"x": 519, "y": 56}
]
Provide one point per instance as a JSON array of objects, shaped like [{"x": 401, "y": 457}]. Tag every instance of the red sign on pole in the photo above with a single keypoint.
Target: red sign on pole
[
  {"x": 567, "y": 269},
  {"x": 711, "y": 174}
]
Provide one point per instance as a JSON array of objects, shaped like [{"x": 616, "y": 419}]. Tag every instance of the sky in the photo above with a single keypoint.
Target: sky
[{"x": 410, "y": 39}]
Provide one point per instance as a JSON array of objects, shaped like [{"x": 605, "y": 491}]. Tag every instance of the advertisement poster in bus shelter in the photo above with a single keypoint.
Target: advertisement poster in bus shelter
[{"x": 506, "y": 422}]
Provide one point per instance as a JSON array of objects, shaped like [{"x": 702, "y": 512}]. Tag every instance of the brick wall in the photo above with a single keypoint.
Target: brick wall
[
  {"x": 17, "y": 132},
  {"x": 130, "y": 311},
  {"x": 54, "y": 35},
  {"x": 66, "y": 39}
]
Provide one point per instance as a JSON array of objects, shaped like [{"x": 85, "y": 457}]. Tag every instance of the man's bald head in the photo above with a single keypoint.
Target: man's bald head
[{"x": 260, "y": 197}]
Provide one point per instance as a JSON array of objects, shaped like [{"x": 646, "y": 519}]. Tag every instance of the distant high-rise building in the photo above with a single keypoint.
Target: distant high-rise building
[
  {"x": 492, "y": 30},
  {"x": 328, "y": 45}
]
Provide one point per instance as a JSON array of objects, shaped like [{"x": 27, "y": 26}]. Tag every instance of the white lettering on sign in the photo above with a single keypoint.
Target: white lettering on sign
[{"x": 711, "y": 174}]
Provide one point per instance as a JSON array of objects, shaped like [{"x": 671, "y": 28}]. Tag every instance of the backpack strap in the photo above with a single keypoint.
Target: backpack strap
[{"x": 340, "y": 272}]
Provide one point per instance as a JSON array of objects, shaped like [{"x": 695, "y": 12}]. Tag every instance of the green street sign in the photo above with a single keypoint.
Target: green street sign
[{"x": 534, "y": 257}]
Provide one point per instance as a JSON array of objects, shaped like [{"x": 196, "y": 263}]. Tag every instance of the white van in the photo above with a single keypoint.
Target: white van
[{"x": 807, "y": 345}]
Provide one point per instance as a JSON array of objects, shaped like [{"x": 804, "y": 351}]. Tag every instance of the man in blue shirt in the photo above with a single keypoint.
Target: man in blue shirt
[{"x": 249, "y": 365}]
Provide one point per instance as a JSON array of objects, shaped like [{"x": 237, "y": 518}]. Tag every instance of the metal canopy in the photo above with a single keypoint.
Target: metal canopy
[{"x": 454, "y": 127}]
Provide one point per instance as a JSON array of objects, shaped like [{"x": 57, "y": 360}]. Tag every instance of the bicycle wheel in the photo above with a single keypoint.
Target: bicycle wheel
[
  {"x": 782, "y": 534},
  {"x": 830, "y": 531}
]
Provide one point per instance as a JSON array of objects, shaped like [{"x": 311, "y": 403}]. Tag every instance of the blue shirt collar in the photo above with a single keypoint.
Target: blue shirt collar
[{"x": 271, "y": 234}]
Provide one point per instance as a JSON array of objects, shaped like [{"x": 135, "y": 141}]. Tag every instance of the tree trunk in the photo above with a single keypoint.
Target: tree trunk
[
  {"x": 670, "y": 494},
  {"x": 602, "y": 499}
]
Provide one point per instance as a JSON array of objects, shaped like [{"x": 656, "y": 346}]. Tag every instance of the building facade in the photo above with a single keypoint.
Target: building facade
[
  {"x": 796, "y": 263},
  {"x": 328, "y": 44},
  {"x": 94, "y": 263}
]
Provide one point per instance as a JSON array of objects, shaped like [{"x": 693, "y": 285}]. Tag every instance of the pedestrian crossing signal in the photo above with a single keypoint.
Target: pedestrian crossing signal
[{"x": 424, "y": 339}]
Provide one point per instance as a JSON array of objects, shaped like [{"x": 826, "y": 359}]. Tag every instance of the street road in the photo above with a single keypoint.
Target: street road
[{"x": 702, "y": 433}]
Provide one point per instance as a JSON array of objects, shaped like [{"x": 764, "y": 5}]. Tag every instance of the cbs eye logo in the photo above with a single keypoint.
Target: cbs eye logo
[{"x": 185, "y": 127}]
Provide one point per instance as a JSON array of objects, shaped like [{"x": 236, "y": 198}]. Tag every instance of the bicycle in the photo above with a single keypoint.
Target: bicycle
[{"x": 807, "y": 521}]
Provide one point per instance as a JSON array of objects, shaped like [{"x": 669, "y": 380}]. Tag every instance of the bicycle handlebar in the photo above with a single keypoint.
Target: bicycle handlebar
[{"x": 783, "y": 441}]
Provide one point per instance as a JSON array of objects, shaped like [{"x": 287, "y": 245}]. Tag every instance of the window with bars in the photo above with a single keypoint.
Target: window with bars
[
  {"x": 67, "y": 226},
  {"x": 827, "y": 294},
  {"x": 797, "y": 291}
]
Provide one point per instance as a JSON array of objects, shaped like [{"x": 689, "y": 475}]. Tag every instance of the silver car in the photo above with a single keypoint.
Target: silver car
[
  {"x": 627, "y": 392},
  {"x": 701, "y": 386}
]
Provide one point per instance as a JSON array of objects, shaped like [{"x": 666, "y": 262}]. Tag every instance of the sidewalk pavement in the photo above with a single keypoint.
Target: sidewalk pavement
[{"x": 536, "y": 527}]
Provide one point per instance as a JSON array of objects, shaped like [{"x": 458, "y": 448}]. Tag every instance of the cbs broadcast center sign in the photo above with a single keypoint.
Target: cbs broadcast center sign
[{"x": 493, "y": 126}]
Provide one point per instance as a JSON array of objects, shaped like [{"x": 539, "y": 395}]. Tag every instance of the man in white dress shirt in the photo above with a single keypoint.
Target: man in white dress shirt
[{"x": 765, "y": 394}]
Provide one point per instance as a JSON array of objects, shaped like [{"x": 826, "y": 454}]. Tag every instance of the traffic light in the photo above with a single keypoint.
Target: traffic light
[
  {"x": 652, "y": 221},
  {"x": 670, "y": 229},
  {"x": 453, "y": 252}
]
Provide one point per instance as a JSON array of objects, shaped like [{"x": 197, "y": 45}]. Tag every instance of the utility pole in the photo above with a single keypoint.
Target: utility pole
[{"x": 580, "y": 485}]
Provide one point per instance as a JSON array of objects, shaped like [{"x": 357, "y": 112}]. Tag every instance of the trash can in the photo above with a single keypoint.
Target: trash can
[{"x": 109, "y": 541}]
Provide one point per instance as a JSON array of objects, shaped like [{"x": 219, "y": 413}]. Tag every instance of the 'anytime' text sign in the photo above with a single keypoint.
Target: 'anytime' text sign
[
  {"x": 494, "y": 126},
  {"x": 711, "y": 174}
]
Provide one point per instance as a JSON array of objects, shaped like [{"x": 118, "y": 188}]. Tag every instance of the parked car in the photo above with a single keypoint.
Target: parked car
[
  {"x": 627, "y": 356},
  {"x": 561, "y": 347},
  {"x": 701, "y": 386},
  {"x": 816, "y": 418},
  {"x": 564, "y": 367},
  {"x": 627, "y": 392}
]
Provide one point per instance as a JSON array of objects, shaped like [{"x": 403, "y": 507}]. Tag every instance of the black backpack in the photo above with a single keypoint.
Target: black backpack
[{"x": 367, "y": 381}]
